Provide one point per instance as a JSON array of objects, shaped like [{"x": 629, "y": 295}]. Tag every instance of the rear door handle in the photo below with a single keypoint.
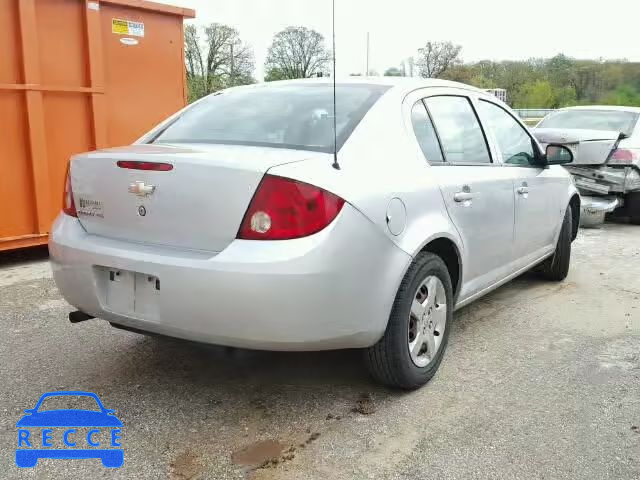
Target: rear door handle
[
  {"x": 523, "y": 190},
  {"x": 462, "y": 196}
]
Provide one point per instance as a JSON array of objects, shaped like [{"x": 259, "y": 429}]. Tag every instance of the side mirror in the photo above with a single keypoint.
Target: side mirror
[{"x": 558, "y": 154}]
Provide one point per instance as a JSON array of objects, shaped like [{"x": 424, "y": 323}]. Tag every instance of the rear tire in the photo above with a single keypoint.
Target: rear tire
[
  {"x": 556, "y": 267},
  {"x": 393, "y": 361}
]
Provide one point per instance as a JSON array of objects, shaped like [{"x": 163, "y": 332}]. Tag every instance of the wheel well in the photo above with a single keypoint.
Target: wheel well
[
  {"x": 574, "y": 203},
  {"x": 449, "y": 254}
]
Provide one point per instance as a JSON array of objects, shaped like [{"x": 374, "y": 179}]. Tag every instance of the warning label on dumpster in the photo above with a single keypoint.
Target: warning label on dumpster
[{"x": 127, "y": 27}]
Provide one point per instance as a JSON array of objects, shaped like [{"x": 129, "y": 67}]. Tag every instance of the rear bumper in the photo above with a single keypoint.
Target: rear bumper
[
  {"x": 331, "y": 290},
  {"x": 605, "y": 180},
  {"x": 594, "y": 209}
]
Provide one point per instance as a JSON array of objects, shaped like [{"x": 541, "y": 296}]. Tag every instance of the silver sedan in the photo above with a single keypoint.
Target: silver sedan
[{"x": 246, "y": 220}]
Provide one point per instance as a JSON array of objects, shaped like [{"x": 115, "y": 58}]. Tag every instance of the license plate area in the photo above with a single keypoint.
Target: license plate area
[{"x": 129, "y": 293}]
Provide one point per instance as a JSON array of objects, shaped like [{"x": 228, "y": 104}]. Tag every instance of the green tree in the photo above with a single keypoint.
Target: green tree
[
  {"x": 587, "y": 81},
  {"x": 547, "y": 82},
  {"x": 517, "y": 78},
  {"x": 626, "y": 95},
  {"x": 461, "y": 73},
  {"x": 558, "y": 70},
  {"x": 564, "y": 96},
  {"x": 538, "y": 94},
  {"x": 274, "y": 73},
  {"x": 393, "y": 72}
]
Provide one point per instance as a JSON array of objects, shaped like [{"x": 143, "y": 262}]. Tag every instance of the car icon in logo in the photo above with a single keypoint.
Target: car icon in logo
[{"x": 84, "y": 432}]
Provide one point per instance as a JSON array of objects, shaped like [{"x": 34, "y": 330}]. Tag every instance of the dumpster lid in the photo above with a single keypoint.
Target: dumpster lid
[{"x": 154, "y": 6}]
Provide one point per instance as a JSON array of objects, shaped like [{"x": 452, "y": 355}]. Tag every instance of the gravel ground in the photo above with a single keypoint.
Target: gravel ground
[{"x": 540, "y": 380}]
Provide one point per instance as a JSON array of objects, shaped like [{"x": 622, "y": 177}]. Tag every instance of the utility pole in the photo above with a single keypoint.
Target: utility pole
[{"x": 367, "y": 71}]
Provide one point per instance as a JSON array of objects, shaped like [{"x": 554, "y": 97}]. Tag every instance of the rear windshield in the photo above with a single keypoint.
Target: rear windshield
[
  {"x": 285, "y": 116},
  {"x": 616, "y": 120}
]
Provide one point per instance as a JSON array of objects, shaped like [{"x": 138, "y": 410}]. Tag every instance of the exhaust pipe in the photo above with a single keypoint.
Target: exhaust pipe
[{"x": 78, "y": 316}]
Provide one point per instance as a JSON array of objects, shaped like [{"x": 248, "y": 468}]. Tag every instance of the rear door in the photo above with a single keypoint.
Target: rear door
[
  {"x": 537, "y": 190},
  {"x": 478, "y": 193}
]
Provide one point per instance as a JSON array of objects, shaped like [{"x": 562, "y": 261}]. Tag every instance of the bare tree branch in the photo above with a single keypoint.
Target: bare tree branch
[
  {"x": 221, "y": 60},
  {"x": 436, "y": 57},
  {"x": 296, "y": 52}
]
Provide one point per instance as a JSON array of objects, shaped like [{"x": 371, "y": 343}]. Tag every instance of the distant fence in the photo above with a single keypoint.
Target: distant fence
[{"x": 526, "y": 113}]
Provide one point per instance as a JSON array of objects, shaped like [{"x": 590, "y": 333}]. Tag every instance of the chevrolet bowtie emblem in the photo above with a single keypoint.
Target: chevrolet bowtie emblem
[{"x": 141, "y": 189}]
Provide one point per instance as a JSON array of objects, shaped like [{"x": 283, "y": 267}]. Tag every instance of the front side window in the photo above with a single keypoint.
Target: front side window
[
  {"x": 460, "y": 133},
  {"x": 515, "y": 143},
  {"x": 425, "y": 133},
  {"x": 286, "y": 116}
]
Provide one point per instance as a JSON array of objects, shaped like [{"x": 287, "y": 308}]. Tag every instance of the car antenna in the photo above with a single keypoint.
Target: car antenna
[{"x": 335, "y": 164}]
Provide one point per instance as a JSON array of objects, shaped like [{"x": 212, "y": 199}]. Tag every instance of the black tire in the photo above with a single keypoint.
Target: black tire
[
  {"x": 632, "y": 207},
  {"x": 556, "y": 267},
  {"x": 389, "y": 360}
]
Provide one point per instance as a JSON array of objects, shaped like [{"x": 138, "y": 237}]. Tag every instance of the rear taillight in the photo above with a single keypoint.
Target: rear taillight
[
  {"x": 283, "y": 209},
  {"x": 623, "y": 156},
  {"x": 153, "y": 166},
  {"x": 68, "y": 204}
]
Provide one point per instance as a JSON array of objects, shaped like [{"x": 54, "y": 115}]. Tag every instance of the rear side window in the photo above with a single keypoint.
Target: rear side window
[
  {"x": 460, "y": 133},
  {"x": 286, "y": 116},
  {"x": 616, "y": 120},
  {"x": 425, "y": 133}
]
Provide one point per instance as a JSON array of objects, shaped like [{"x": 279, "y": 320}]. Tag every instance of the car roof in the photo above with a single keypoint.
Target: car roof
[
  {"x": 406, "y": 84},
  {"x": 618, "y": 108}
]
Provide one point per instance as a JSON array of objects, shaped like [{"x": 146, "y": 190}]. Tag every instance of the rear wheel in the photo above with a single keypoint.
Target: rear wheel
[
  {"x": 556, "y": 267},
  {"x": 411, "y": 349}
]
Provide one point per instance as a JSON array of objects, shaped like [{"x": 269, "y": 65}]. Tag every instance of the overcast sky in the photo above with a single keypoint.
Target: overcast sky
[{"x": 486, "y": 29}]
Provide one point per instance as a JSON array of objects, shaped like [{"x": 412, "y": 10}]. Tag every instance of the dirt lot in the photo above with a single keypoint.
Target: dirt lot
[{"x": 541, "y": 380}]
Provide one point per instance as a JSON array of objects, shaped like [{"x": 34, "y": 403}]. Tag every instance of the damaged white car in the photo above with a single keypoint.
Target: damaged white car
[{"x": 605, "y": 141}]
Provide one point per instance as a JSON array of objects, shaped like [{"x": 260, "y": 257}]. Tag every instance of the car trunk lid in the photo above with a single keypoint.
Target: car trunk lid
[
  {"x": 198, "y": 204},
  {"x": 589, "y": 147}
]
